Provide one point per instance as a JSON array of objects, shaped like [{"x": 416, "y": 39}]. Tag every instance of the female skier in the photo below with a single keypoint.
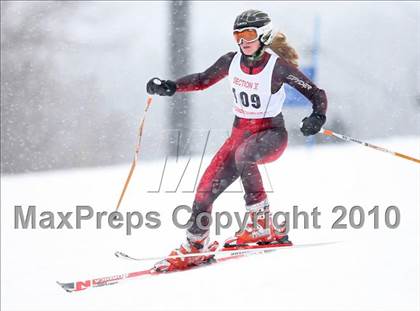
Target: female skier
[{"x": 258, "y": 135}]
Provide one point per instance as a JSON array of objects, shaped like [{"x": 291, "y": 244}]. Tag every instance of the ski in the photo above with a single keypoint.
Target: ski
[
  {"x": 234, "y": 250},
  {"x": 114, "y": 279},
  {"x": 231, "y": 253}
]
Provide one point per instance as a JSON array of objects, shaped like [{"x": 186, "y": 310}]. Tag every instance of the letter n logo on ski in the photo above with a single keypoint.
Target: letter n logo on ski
[{"x": 83, "y": 285}]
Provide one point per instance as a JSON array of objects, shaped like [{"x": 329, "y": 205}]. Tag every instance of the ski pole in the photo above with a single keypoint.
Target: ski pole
[
  {"x": 137, "y": 150},
  {"x": 347, "y": 138}
]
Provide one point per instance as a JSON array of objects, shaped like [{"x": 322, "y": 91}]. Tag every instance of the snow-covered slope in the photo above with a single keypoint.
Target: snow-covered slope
[{"x": 369, "y": 269}]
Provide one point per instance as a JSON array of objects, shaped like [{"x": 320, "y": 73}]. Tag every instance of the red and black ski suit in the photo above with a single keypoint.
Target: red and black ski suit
[{"x": 252, "y": 141}]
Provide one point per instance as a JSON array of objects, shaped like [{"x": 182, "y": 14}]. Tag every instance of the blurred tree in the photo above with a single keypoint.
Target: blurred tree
[
  {"x": 179, "y": 108},
  {"x": 49, "y": 121}
]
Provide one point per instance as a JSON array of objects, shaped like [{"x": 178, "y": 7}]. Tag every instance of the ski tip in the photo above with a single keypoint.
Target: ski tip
[
  {"x": 119, "y": 254},
  {"x": 68, "y": 287}
]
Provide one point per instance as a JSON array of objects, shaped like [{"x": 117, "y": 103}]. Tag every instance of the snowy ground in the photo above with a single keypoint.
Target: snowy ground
[{"x": 375, "y": 269}]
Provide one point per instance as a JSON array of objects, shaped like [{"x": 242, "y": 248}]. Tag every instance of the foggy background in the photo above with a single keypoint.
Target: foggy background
[{"x": 73, "y": 75}]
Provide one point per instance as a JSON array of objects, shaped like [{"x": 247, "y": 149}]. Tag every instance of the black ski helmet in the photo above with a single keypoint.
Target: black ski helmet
[{"x": 256, "y": 19}]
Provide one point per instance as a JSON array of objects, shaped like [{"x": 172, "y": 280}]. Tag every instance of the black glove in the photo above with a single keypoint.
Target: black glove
[
  {"x": 312, "y": 124},
  {"x": 161, "y": 87}
]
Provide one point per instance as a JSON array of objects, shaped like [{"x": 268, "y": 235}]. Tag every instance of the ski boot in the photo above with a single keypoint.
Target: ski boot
[
  {"x": 190, "y": 246},
  {"x": 259, "y": 229}
]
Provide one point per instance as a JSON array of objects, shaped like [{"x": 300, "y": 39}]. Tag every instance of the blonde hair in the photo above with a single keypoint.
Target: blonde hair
[{"x": 283, "y": 49}]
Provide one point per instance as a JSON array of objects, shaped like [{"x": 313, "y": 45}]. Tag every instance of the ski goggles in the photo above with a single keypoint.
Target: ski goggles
[{"x": 250, "y": 34}]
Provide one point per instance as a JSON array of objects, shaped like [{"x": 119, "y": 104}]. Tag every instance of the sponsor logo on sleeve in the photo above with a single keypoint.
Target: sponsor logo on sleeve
[{"x": 299, "y": 81}]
